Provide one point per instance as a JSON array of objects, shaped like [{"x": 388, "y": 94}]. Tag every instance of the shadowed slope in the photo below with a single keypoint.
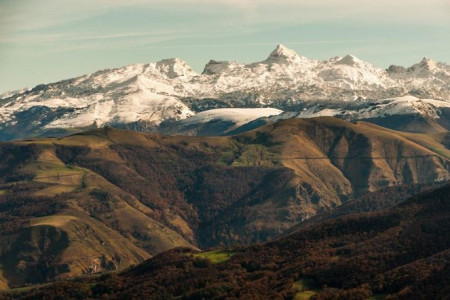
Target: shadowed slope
[
  {"x": 123, "y": 196},
  {"x": 400, "y": 253}
]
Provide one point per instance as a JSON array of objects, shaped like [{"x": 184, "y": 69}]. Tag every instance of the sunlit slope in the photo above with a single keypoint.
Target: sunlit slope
[{"x": 109, "y": 198}]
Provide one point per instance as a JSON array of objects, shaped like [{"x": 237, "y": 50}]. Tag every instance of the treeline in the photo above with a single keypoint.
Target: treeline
[
  {"x": 17, "y": 206},
  {"x": 12, "y": 158}
]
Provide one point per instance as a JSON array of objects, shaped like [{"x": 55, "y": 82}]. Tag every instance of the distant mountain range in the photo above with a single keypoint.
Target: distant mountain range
[{"x": 160, "y": 96}]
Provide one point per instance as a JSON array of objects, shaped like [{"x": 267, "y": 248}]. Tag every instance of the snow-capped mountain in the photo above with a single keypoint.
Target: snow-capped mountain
[
  {"x": 144, "y": 96},
  {"x": 218, "y": 121}
]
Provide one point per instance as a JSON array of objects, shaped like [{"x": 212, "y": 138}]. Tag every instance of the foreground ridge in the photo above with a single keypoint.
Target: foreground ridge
[
  {"x": 361, "y": 256},
  {"x": 106, "y": 199}
]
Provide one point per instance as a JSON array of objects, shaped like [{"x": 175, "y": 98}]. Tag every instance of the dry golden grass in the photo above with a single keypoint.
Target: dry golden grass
[
  {"x": 3, "y": 281},
  {"x": 305, "y": 290},
  {"x": 49, "y": 169},
  {"x": 89, "y": 241},
  {"x": 181, "y": 224},
  {"x": 94, "y": 141},
  {"x": 161, "y": 237},
  {"x": 55, "y": 190},
  {"x": 56, "y": 220}
]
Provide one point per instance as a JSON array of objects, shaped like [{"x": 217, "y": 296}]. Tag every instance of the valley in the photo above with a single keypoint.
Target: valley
[
  {"x": 107, "y": 199},
  {"x": 398, "y": 253}
]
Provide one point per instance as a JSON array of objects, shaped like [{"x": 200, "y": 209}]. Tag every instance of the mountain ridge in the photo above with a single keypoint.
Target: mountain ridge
[
  {"x": 108, "y": 198},
  {"x": 145, "y": 95}
]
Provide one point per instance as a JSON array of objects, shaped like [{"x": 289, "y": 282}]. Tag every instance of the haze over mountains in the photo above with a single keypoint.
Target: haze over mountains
[{"x": 157, "y": 96}]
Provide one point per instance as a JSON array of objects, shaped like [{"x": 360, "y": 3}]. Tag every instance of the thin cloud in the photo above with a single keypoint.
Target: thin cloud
[
  {"x": 127, "y": 35},
  {"x": 399, "y": 7},
  {"x": 50, "y": 13},
  {"x": 49, "y": 38},
  {"x": 274, "y": 43}
]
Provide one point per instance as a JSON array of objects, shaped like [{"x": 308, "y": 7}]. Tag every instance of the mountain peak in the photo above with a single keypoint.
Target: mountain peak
[
  {"x": 283, "y": 55},
  {"x": 175, "y": 67},
  {"x": 216, "y": 67},
  {"x": 427, "y": 63},
  {"x": 426, "y": 59},
  {"x": 282, "y": 50},
  {"x": 423, "y": 67},
  {"x": 350, "y": 60}
]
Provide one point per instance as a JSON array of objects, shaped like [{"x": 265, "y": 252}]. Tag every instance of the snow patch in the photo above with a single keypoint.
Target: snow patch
[
  {"x": 155, "y": 92},
  {"x": 239, "y": 116}
]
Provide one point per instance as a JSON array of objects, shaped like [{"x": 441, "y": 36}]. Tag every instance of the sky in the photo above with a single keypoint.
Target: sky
[{"x": 43, "y": 41}]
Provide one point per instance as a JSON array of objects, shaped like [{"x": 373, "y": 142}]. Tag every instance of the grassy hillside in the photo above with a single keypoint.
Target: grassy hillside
[
  {"x": 58, "y": 220},
  {"x": 107, "y": 199},
  {"x": 372, "y": 202},
  {"x": 399, "y": 253}
]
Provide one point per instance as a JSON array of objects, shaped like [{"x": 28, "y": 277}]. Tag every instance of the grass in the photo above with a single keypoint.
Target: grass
[
  {"x": 55, "y": 172},
  {"x": 238, "y": 154},
  {"x": 378, "y": 297},
  {"x": 3, "y": 281},
  {"x": 23, "y": 289},
  {"x": 226, "y": 158},
  {"x": 55, "y": 190},
  {"x": 215, "y": 257},
  {"x": 305, "y": 295},
  {"x": 47, "y": 169},
  {"x": 56, "y": 221},
  {"x": 429, "y": 141},
  {"x": 254, "y": 155},
  {"x": 440, "y": 151},
  {"x": 305, "y": 289}
]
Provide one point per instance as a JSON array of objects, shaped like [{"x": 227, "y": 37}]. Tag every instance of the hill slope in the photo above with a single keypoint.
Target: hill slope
[
  {"x": 108, "y": 198},
  {"x": 400, "y": 253}
]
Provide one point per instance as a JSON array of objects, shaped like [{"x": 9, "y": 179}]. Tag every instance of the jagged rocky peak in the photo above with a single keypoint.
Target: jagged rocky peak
[
  {"x": 217, "y": 67},
  {"x": 394, "y": 69},
  {"x": 426, "y": 64},
  {"x": 175, "y": 67},
  {"x": 349, "y": 60},
  {"x": 283, "y": 55},
  {"x": 425, "y": 68},
  {"x": 8, "y": 94}
]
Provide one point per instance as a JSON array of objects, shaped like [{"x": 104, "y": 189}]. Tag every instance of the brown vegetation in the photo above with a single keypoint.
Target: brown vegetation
[
  {"x": 120, "y": 197},
  {"x": 400, "y": 253}
]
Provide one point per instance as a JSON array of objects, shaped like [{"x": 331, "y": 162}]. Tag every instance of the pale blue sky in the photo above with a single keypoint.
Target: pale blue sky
[{"x": 42, "y": 41}]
